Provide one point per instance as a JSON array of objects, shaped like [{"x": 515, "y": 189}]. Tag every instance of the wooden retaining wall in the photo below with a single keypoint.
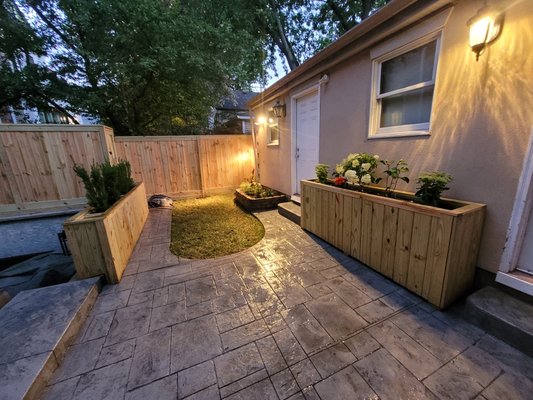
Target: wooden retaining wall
[
  {"x": 183, "y": 166},
  {"x": 430, "y": 251},
  {"x": 36, "y": 163}
]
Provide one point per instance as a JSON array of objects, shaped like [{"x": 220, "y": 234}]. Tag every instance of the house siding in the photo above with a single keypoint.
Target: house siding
[{"x": 480, "y": 126}]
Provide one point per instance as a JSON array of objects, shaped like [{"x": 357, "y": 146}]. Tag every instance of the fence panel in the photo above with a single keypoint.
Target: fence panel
[
  {"x": 36, "y": 163},
  {"x": 183, "y": 166}
]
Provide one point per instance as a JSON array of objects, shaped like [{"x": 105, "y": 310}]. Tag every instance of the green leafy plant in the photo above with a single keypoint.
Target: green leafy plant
[
  {"x": 254, "y": 189},
  {"x": 431, "y": 186},
  {"x": 395, "y": 171},
  {"x": 359, "y": 168},
  {"x": 322, "y": 171},
  {"x": 105, "y": 183}
]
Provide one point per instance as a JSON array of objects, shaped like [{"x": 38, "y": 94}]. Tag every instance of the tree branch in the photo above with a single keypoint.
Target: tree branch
[{"x": 346, "y": 25}]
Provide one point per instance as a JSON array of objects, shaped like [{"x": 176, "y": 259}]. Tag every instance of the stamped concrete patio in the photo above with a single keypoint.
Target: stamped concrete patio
[{"x": 288, "y": 318}]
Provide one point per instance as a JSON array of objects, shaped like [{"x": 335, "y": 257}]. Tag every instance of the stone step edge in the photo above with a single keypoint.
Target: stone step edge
[
  {"x": 69, "y": 334},
  {"x": 289, "y": 214},
  {"x": 499, "y": 327}
]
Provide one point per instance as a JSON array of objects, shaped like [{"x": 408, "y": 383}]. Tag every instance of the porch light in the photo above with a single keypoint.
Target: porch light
[
  {"x": 261, "y": 120},
  {"x": 280, "y": 111},
  {"x": 484, "y": 27}
]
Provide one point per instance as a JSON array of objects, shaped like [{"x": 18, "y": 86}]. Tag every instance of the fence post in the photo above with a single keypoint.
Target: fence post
[{"x": 199, "y": 147}]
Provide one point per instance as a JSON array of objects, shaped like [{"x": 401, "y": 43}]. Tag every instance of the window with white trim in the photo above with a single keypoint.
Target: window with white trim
[
  {"x": 403, "y": 86},
  {"x": 272, "y": 129}
]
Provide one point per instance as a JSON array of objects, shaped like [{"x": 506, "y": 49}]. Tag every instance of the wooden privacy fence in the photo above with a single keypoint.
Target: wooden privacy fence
[
  {"x": 36, "y": 163},
  {"x": 183, "y": 166}
]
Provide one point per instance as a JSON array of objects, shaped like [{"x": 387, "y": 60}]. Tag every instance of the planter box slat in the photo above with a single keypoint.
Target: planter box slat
[
  {"x": 388, "y": 249},
  {"x": 102, "y": 244},
  {"x": 430, "y": 251}
]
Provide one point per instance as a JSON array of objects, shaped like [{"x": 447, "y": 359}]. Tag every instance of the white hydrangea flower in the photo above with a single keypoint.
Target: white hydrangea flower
[
  {"x": 366, "y": 166},
  {"x": 355, "y": 163},
  {"x": 376, "y": 157},
  {"x": 366, "y": 178},
  {"x": 339, "y": 169},
  {"x": 351, "y": 176}
]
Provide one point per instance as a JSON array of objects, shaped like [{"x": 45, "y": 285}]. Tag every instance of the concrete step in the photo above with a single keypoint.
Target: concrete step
[
  {"x": 504, "y": 316},
  {"x": 291, "y": 211},
  {"x": 36, "y": 328}
]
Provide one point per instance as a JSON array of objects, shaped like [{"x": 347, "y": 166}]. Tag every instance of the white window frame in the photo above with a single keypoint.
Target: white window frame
[
  {"x": 269, "y": 127},
  {"x": 422, "y": 129}
]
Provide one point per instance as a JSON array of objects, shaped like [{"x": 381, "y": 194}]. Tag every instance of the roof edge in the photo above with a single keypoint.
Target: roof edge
[{"x": 375, "y": 20}]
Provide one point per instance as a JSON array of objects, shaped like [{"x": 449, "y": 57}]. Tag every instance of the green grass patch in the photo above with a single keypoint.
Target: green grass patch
[{"x": 212, "y": 227}]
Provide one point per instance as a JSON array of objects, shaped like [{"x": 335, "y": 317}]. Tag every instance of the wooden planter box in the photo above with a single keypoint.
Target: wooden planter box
[
  {"x": 253, "y": 204},
  {"x": 429, "y": 250},
  {"x": 101, "y": 244}
]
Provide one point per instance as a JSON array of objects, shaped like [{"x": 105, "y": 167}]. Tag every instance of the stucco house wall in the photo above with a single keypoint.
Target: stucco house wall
[{"x": 480, "y": 125}]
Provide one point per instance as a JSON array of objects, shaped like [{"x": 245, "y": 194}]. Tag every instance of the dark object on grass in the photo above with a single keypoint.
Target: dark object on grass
[{"x": 160, "y": 201}]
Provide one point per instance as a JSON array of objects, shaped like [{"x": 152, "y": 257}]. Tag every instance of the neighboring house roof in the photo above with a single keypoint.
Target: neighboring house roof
[
  {"x": 237, "y": 101},
  {"x": 391, "y": 18}
]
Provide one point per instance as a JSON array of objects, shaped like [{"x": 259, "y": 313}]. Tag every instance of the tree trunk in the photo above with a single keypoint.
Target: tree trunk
[{"x": 280, "y": 38}]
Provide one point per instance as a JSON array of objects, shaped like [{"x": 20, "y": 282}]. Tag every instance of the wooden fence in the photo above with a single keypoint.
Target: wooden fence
[
  {"x": 36, "y": 163},
  {"x": 183, "y": 166}
]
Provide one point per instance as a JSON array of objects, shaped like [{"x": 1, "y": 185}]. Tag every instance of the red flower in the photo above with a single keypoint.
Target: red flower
[{"x": 339, "y": 181}]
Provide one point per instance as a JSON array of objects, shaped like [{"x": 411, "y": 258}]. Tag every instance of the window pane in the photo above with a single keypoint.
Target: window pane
[
  {"x": 410, "y": 68},
  {"x": 274, "y": 133},
  {"x": 406, "y": 109}
]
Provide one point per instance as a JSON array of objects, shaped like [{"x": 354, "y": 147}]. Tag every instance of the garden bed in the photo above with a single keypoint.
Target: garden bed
[
  {"x": 259, "y": 204},
  {"x": 429, "y": 250},
  {"x": 102, "y": 243}
]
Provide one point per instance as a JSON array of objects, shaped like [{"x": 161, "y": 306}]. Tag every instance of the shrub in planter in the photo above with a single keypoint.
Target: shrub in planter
[
  {"x": 255, "y": 197},
  {"x": 105, "y": 183},
  {"x": 322, "y": 171},
  {"x": 432, "y": 184}
]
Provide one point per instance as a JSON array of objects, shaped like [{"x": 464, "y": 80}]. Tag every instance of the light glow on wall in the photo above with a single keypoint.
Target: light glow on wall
[{"x": 484, "y": 27}]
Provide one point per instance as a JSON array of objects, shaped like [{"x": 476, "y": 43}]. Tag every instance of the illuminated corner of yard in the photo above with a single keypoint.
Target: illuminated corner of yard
[{"x": 212, "y": 227}]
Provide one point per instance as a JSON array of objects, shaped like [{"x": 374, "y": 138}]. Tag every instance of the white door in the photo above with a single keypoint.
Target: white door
[
  {"x": 525, "y": 261},
  {"x": 307, "y": 130}
]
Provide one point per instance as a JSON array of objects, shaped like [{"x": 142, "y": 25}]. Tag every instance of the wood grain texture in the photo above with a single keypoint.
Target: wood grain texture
[
  {"x": 102, "y": 244},
  {"x": 36, "y": 162},
  {"x": 184, "y": 166},
  {"x": 430, "y": 251}
]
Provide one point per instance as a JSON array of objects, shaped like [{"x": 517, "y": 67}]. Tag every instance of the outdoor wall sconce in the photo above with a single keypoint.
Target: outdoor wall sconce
[
  {"x": 261, "y": 120},
  {"x": 484, "y": 27},
  {"x": 280, "y": 110}
]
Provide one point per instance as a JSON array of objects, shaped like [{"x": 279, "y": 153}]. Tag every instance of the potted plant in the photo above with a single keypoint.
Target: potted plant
[
  {"x": 253, "y": 196},
  {"x": 427, "y": 244},
  {"x": 102, "y": 237}
]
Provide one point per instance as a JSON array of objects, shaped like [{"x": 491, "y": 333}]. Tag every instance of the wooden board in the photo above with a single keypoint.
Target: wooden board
[
  {"x": 103, "y": 244},
  {"x": 428, "y": 250},
  {"x": 181, "y": 166},
  {"x": 37, "y": 161}
]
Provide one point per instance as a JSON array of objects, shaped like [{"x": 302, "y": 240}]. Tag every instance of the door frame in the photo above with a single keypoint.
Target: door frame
[
  {"x": 522, "y": 208},
  {"x": 314, "y": 88}
]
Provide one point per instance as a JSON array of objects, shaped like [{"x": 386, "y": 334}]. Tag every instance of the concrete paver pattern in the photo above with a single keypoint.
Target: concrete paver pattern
[{"x": 290, "y": 318}]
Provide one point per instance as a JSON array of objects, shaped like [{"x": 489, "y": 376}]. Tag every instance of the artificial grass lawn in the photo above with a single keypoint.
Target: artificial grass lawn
[{"x": 212, "y": 227}]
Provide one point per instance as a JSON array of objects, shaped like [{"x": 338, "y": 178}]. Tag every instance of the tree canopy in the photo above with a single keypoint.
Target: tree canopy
[{"x": 156, "y": 66}]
